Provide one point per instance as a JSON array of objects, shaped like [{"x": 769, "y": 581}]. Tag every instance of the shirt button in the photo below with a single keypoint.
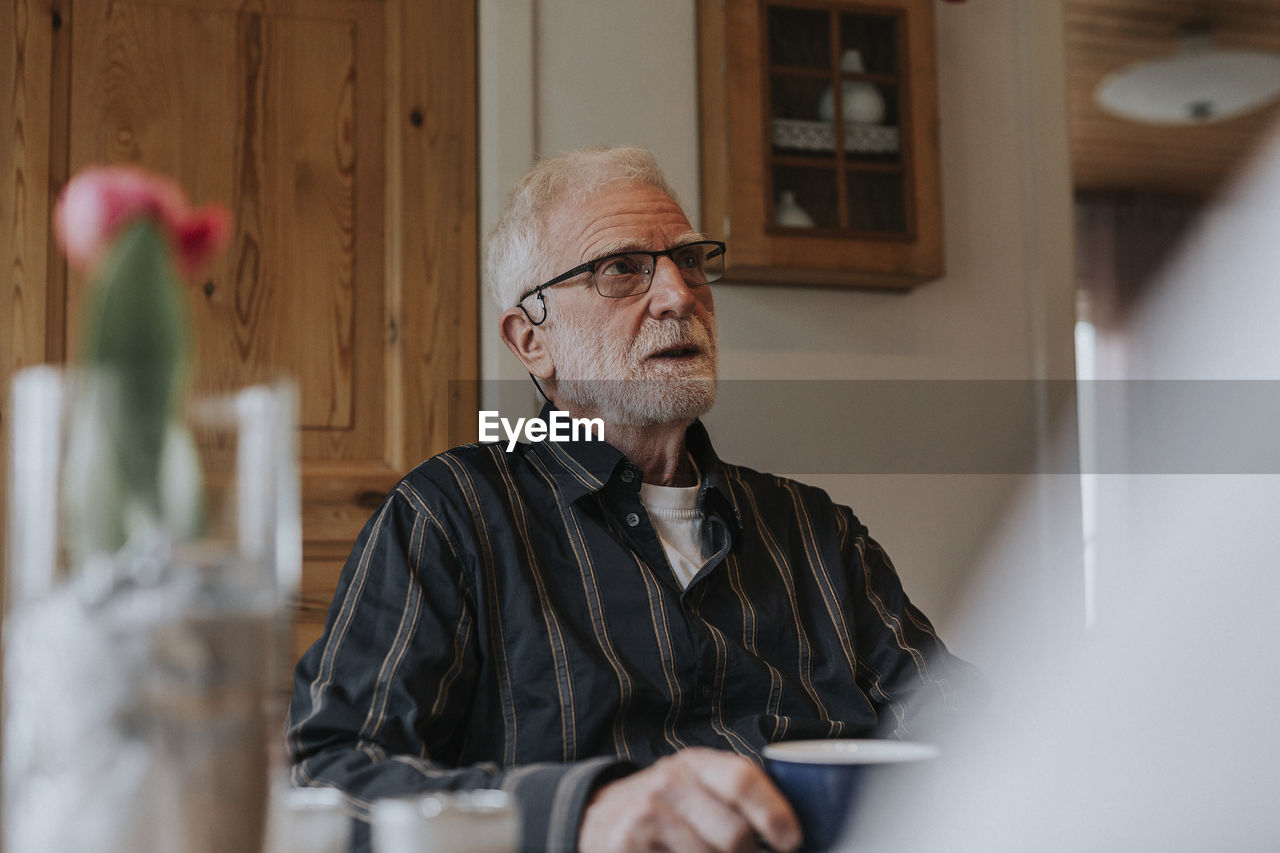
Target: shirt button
[
  {"x": 628, "y": 475},
  {"x": 632, "y": 519}
]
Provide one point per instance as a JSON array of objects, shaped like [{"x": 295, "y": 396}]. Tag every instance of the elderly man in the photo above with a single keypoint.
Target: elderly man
[{"x": 610, "y": 630}]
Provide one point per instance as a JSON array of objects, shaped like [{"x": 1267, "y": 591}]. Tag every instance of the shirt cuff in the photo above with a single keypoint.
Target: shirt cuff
[{"x": 552, "y": 798}]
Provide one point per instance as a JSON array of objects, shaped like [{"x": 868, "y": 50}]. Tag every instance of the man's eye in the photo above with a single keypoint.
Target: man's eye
[
  {"x": 618, "y": 266},
  {"x": 688, "y": 260}
]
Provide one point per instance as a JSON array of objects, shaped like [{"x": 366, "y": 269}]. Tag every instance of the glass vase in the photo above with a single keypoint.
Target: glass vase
[{"x": 142, "y": 677}]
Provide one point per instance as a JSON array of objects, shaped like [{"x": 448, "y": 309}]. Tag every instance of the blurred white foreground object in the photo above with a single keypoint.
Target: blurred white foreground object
[
  {"x": 1158, "y": 731},
  {"x": 307, "y": 820},
  {"x": 140, "y": 683},
  {"x": 485, "y": 821}
]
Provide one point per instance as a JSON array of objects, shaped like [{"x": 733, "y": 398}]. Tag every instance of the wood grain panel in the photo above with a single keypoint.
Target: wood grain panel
[
  {"x": 320, "y": 571},
  {"x": 306, "y": 107},
  {"x": 280, "y": 109},
  {"x": 26, "y": 62},
  {"x": 713, "y": 112},
  {"x": 438, "y": 204},
  {"x": 337, "y": 499},
  {"x": 342, "y": 133},
  {"x": 135, "y": 72}
]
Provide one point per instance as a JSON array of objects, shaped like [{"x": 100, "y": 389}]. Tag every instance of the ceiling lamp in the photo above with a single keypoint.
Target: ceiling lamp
[{"x": 1197, "y": 84}]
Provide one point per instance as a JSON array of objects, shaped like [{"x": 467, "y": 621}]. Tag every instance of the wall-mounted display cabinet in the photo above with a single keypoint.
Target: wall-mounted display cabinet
[{"x": 820, "y": 140}]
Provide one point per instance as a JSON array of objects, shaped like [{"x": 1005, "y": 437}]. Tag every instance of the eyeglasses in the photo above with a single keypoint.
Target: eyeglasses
[{"x": 631, "y": 273}]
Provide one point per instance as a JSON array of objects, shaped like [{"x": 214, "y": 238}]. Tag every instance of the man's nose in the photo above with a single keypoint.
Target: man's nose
[{"x": 669, "y": 294}]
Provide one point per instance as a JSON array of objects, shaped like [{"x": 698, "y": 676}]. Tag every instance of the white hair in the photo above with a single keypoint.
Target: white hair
[{"x": 515, "y": 251}]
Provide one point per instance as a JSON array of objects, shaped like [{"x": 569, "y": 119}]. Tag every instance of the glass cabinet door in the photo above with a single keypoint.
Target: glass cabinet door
[
  {"x": 837, "y": 156},
  {"x": 819, "y": 140}
]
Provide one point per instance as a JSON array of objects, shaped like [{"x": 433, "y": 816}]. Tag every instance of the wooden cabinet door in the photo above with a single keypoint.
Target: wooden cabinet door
[
  {"x": 773, "y": 131},
  {"x": 341, "y": 133}
]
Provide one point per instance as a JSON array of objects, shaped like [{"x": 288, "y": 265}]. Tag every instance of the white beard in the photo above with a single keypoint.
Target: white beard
[{"x": 600, "y": 375}]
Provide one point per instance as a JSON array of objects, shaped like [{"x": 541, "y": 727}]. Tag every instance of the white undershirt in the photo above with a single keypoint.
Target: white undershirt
[{"x": 678, "y": 521}]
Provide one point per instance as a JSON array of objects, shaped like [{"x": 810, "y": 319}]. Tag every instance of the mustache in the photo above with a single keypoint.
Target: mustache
[{"x": 657, "y": 335}]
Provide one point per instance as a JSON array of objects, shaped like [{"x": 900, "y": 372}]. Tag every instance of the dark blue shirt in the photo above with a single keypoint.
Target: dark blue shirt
[{"x": 510, "y": 620}]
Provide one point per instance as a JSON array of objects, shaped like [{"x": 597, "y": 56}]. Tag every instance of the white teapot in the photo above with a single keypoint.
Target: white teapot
[{"x": 860, "y": 101}]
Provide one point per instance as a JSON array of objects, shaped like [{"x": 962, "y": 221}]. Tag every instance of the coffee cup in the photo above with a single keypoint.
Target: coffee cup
[{"x": 822, "y": 779}]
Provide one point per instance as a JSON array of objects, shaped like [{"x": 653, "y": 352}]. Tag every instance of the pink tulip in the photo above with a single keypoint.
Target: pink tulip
[
  {"x": 98, "y": 202},
  {"x": 200, "y": 237}
]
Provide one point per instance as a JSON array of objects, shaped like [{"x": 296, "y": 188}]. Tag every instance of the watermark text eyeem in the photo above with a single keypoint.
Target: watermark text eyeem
[{"x": 560, "y": 427}]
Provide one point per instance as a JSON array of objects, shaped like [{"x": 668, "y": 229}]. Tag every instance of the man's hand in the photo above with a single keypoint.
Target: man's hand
[{"x": 696, "y": 800}]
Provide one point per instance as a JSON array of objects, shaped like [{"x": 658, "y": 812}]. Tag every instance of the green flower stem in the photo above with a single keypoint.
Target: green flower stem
[{"x": 125, "y": 424}]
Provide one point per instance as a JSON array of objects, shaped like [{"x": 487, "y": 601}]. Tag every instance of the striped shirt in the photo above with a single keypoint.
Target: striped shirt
[{"x": 510, "y": 620}]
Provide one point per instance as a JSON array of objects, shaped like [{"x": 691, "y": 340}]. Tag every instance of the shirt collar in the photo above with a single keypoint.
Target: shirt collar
[
  {"x": 579, "y": 467},
  {"x": 585, "y": 467},
  {"x": 714, "y": 494}
]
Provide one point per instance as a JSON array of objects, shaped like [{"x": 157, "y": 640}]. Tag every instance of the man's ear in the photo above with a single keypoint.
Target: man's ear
[{"x": 527, "y": 342}]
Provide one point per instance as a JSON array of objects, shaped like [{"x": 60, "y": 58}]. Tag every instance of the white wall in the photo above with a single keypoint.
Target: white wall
[{"x": 557, "y": 74}]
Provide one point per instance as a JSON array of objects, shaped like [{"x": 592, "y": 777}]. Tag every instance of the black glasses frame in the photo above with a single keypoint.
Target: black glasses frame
[{"x": 592, "y": 265}]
